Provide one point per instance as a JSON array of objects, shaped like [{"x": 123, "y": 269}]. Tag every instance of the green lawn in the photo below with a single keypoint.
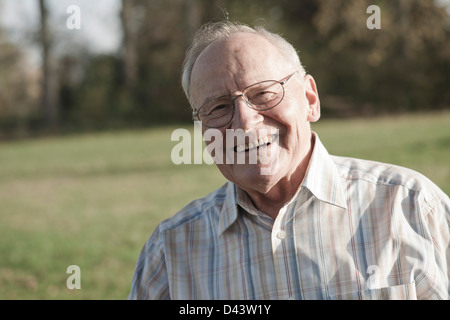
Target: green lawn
[{"x": 93, "y": 200}]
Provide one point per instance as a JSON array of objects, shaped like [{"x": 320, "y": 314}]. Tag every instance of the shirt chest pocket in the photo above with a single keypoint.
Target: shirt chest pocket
[{"x": 400, "y": 292}]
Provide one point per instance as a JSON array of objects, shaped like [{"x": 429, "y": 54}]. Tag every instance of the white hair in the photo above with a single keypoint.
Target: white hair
[{"x": 211, "y": 32}]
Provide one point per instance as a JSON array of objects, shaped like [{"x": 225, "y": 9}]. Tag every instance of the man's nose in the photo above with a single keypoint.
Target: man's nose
[{"x": 245, "y": 117}]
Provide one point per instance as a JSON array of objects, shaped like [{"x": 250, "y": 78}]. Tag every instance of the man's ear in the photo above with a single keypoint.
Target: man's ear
[{"x": 312, "y": 95}]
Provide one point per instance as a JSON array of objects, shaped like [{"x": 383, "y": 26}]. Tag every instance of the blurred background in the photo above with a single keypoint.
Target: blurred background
[
  {"x": 122, "y": 67},
  {"x": 90, "y": 94}
]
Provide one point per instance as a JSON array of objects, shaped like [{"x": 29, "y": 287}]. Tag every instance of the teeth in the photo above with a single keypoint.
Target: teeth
[{"x": 255, "y": 144}]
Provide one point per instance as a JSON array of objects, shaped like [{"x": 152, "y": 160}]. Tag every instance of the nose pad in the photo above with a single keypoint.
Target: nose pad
[
  {"x": 233, "y": 99},
  {"x": 244, "y": 115}
]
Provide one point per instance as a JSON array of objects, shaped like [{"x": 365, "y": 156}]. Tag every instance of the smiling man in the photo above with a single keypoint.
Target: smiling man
[
  {"x": 240, "y": 63},
  {"x": 301, "y": 224}
]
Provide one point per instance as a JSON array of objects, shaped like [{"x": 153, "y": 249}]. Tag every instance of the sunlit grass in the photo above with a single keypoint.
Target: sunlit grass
[{"x": 93, "y": 200}]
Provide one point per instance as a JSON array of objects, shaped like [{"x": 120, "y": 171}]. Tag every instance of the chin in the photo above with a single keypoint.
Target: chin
[{"x": 257, "y": 177}]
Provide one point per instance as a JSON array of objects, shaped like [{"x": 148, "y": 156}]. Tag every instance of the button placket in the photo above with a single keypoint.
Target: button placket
[
  {"x": 279, "y": 236},
  {"x": 278, "y": 232}
]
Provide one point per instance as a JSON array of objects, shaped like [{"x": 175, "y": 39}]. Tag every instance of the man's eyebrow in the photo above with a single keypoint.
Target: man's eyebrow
[
  {"x": 228, "y": 94},
  {"x": 214, "y": 97}
]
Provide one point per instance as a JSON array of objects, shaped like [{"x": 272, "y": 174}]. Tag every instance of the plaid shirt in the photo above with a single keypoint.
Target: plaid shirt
[{"x": 355, "y": 229}]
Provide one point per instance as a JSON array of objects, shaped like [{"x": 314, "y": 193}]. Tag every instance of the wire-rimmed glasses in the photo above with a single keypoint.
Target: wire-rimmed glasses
[{"x": 261, "y": 96}]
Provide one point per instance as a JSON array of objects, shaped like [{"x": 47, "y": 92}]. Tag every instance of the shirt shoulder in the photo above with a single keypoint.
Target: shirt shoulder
[
  {"x": 197, "y": 209},
  {"x": 384, "y": 174}
]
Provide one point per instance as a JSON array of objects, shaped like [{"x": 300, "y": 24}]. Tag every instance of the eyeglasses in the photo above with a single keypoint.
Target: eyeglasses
[{"x": 261, "y": 96}]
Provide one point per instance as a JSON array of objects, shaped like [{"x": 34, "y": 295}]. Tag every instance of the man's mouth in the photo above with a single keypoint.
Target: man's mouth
[{"x": 256, "y": 144}]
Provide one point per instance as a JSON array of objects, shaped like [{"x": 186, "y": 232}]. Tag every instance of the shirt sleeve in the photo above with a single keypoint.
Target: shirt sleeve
[
  {"x": 438, "y": 222},
  {"x": 150, "y": 275}
]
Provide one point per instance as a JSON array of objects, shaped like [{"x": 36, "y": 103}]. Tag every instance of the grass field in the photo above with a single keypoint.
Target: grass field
[{"x": 93, "y": 200}]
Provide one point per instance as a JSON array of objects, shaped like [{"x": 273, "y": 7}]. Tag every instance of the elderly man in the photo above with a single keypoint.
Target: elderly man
[{"x": 304, "y": 224}]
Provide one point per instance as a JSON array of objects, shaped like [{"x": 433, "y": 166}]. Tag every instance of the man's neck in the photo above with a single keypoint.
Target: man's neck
[{"x": 279, "y": 195}]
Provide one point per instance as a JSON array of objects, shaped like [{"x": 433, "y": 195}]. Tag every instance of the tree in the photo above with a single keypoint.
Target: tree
[
  {"x": 49, "y": 92},
  {"x": 129, "y": 54},
  {"x": 400, "y": 67}
]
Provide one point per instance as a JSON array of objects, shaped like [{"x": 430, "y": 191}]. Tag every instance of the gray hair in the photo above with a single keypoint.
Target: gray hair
[{"x": 213, "y": 31}]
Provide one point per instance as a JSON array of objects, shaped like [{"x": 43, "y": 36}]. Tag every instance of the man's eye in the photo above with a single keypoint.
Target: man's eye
[
  {"x": 263, "y": 96},
  {"x": 219, "y": 109}
]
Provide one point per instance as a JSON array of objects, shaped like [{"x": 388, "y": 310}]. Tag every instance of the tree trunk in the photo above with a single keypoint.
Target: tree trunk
[
  {"x": 129, "y": 54},
  {"x": 49, "y": 92}
]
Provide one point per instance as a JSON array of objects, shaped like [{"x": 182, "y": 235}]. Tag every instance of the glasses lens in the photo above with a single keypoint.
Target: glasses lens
[
  {"x": 216, "y": 113},
  {"x": 264, "y": 95},
  {"x": 260, "y": 96}
]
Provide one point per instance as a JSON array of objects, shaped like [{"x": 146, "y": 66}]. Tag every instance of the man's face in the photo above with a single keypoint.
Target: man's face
[{"x": 229, "y": 65}]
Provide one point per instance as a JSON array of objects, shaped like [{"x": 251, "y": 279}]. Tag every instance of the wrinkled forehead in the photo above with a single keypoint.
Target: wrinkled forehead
[{"x": 233, "y": 63}]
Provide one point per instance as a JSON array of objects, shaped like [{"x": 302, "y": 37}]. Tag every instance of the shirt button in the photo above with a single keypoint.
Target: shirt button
[{"x": 281, "y": 234}]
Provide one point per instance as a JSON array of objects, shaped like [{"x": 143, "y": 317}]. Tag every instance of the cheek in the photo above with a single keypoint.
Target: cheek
[
  {"x": 295, "y": 99},
  {"x": 290, "y": 116},
  {"x": 293, "y": 125}
]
